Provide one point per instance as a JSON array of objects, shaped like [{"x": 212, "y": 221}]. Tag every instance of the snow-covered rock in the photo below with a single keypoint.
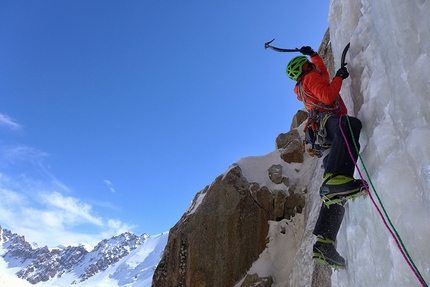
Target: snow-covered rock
[{"x": 247, "y": 226}]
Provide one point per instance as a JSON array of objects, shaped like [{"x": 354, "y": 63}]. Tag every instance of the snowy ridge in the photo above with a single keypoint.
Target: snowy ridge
[{"x": 123, "y": 260}]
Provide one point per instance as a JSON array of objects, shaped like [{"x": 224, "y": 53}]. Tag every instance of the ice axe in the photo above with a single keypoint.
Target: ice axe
[
  {"x": 267, "y": 45},
  {"x": 342, "y": 59}
]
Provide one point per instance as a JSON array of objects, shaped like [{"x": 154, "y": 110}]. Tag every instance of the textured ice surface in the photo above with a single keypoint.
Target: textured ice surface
[{"x": 388, "y": 90}]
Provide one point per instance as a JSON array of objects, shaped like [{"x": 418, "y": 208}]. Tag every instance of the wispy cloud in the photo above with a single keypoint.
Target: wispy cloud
[
  {"x": 20, "y": 153},
  {"x": 50, "y": 218},
  {"x": 9, "y": 123},
  {"x": 109, "y": 184},
  {"x": 36, "y": 204},
  {"x": 41, "y": 209},
  {"x": 71, "y": 210}
]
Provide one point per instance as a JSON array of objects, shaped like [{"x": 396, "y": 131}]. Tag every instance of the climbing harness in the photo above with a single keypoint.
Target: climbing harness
[
  {"x": 383, "y": 214},
  {"x": 315, "y": 131}
]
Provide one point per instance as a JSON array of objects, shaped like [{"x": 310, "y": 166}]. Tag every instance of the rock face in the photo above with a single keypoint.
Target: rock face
[
  {"x": 257, "y": 203},
  {"x": 227, "y": 227},
  {"x": 47, "y": 264},
  {"x": 215, "y": 242},
  {"x": 220, "y": 237},
  {"x": 326, "y": 53}
]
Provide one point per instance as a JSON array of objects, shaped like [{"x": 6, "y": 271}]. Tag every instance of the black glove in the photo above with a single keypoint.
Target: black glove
[
  {"x": 306, "y": 50},
  {"x": 342, "y": 72}
]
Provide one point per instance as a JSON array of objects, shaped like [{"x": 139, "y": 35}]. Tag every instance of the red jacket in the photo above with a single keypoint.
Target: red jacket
[{"x": 320, "y": 90}]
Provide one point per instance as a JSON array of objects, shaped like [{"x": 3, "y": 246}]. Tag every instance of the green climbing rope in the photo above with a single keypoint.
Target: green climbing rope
[{"x": 393, "y": 230}]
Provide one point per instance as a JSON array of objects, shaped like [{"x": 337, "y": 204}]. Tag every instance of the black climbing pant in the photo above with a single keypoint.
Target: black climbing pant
[
  {"x": 329, "y": 221},
  {"x": 338, "y": 161}
]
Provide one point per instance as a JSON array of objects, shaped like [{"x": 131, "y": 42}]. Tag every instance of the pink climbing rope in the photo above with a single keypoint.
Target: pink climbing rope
[{"x": 419, "y": 277}]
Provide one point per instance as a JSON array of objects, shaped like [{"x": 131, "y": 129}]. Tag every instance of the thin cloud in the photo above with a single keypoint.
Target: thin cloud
[
  {"x": 21, "y": 153},
  {"x": 52, "y": 219},
  {"x": 34, "y": 203},
  {"x": 34, "y": 174},
  {"x": 72, "y": 211},
  {"x": 109, "y": 184},
  {"x": 9, "y": 123}
]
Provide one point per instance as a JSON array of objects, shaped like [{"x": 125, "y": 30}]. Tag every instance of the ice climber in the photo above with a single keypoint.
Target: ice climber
[{"x": 326, "y": 113}]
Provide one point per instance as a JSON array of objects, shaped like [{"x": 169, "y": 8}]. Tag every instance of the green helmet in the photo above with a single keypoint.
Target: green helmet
[{"x": 295, "y": 67}]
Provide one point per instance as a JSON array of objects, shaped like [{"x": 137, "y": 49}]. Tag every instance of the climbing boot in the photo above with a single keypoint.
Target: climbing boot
[
  {"x": 338, "y": 188},
  {"x": 324, "y": 252}
]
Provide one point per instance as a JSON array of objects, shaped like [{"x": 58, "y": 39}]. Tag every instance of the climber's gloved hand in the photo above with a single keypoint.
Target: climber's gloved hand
[
  {"x": 306, "y": 50},
  {"x": 342, "y": 72}
]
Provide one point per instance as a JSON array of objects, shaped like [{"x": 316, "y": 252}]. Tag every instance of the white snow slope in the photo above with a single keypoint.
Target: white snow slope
[{"x": 389, "y": 90}]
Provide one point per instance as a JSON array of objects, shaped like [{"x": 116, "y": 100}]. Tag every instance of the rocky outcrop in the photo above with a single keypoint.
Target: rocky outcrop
[
  {"x": 17, "y": 246},
  {"x": 226, "y": 229},
  {"x": 216, "y": 242},
  {"x": 290, "y": 145},
  {"x": 201, "y": 244},
  {"x": 326, "y": 53},
  {"x": 109, "y": 252},
  {"x": 50, "y": 263},
  {"x": 298, "y": 119}
]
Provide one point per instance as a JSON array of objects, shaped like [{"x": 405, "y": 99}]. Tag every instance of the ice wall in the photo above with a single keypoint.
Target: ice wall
[{"x": 389, "y": 90}]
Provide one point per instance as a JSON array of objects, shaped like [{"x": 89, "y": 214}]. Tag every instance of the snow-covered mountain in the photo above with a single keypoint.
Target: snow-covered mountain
[{"x": 123, "y": 260}]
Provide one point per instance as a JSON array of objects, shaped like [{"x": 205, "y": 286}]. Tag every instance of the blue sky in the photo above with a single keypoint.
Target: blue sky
[{"x": 114, "y": 114}]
